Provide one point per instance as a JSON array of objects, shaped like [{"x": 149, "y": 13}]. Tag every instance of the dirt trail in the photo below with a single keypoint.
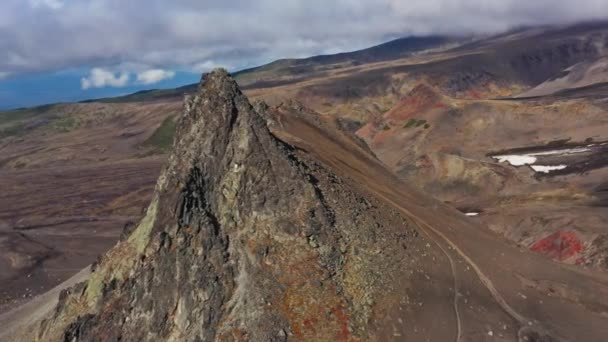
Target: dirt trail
[
  {"x": 454, "y": 276},
  {"x": 482, "y": 276}
]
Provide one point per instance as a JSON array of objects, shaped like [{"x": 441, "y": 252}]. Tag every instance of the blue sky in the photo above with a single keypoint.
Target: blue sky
[
  {"x": 65, "y": 86},
  {"x": 68, "y": 50}
]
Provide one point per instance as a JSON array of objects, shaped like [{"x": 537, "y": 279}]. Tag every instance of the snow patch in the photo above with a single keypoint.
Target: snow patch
[
  {"x": 531, "y": 158},
  {"x": 516, "y": 160},
  {"x": 547, "y": 168},
  {"x": 472, "y": 214}
]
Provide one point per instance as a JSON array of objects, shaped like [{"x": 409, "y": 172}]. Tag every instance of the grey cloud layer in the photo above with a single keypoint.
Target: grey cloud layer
[{"x": 41, "y": 35}]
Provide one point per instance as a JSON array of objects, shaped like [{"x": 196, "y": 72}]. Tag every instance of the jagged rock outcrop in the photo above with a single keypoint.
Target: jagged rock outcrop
[{"x": 246, "y": 238}]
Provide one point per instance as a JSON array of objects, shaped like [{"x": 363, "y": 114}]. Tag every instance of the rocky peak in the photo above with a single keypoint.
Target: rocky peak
[
  {"x": 247, "y": 238},
  {"x": 218, "y": 129}
]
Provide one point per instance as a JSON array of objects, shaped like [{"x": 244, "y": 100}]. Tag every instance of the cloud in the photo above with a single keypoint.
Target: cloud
[
  {"x": 4, "y": 74},
  {"x": 101, "y": 78},
  {"x": 209, "y": 65},
  {"x": 154, "y": 76},
  {"x": 187, "y": 34},
  {"x": 52, "y": 4}
]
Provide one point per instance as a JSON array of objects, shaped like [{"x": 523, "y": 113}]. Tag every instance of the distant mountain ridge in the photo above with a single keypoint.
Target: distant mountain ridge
[
  {"x": 394, "y": 49},
  {"x": 525, "y": 57}
]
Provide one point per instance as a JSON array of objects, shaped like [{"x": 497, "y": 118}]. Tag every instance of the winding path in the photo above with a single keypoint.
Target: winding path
[{"x": 454, "y": 276}]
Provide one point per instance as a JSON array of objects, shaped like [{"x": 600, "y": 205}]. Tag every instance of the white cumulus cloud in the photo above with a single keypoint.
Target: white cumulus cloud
[
  {"x": 209, "y": 65},
  {"x": 100, "y": 78},
  {"x": 187, "y": 34},
  {"x": 52, "y": 4},
  {"x": 154, "y": 76}
]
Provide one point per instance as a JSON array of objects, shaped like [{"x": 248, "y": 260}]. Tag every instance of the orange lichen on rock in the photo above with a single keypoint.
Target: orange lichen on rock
[{"x": 310, "y": 304}]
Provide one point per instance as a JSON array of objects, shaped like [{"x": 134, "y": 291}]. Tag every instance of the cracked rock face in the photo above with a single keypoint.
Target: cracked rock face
[{"x": 247, "y": 238}]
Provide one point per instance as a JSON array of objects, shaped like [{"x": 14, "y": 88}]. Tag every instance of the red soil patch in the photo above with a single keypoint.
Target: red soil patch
[
  {"x": 380, "y": 138},
  {"x": 416, "y": 103},
  {"x": 420, "y": 99},
  {"x": 560, "y": 246},
  {"x": 366, "y": 132}
]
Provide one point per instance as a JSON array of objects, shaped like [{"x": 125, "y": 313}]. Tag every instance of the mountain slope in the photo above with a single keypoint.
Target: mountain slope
[
  {"x": 395, "y": 49},
  {"x": 580, "y": 75}
]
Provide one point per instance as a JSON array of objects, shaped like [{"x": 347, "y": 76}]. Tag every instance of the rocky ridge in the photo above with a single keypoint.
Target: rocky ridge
[{"x": 246, "y": 238}]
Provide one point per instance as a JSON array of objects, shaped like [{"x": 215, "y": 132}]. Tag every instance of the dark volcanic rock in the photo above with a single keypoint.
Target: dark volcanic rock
[{"x": 246, "y": 238}]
